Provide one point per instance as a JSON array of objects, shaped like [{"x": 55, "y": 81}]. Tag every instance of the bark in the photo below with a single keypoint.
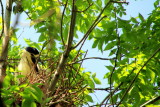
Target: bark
[{"x": 6, "y": 38}]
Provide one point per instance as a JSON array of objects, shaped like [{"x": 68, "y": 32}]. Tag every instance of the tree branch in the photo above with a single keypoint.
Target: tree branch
[
  {"x": 93, "y": 58},
  {"x": 6, "y": 38},
  {"x": 2, "y": 20},
  {"x": 151, "y": 101},
  {"x": 120, "y": 2},
  {"x": 62, "y": 22},
  {"x": 65, "y": 55}
]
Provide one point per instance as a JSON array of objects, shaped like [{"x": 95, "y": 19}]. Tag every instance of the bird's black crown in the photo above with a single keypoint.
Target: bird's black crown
[{"x": 32, "y": 50}]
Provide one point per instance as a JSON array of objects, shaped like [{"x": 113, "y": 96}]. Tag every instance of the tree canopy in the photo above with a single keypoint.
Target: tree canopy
[{"x": 64, "y": 26}]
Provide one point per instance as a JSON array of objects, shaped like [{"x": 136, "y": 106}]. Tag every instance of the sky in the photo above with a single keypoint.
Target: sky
[{"x": 133, "y": 9}]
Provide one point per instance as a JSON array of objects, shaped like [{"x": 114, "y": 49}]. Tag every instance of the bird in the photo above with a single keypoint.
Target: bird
[{"x": 28, "y": 62}]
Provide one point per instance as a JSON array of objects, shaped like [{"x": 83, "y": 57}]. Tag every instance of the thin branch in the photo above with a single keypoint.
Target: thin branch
[
  {"x": 92, "y": 26},
  {"x": 121, "y": 2},
  {"x": 151, "y": 101},
  {"x": 86, "y": 8},
  {"x": 2, "y": 19},
  {"x": 100, "y": 89},
  {"x": 117, "y": 54},
  {"x": 94, "y": 58},
  {"x": 137, "y": 76},
  {"x": 62, "y": 22},
  {"x": 28, "y": 15}
]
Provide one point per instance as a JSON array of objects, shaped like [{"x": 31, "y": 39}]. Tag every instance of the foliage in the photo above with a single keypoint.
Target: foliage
[{"x": 133, "y": 44}]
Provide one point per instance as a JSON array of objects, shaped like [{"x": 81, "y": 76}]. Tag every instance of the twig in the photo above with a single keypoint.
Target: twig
[
  {"x": 137, "y": 76},
  {"x": 121, "y": 2},
  {"x": 86, "y": 8},
  {"x": 117, "y": 54},
  {"x": 2, "y": 20},
  {"x": 151, "y": 101},
  {"x": 94, "y": 58},
  {"x": 62, "y": 22}
]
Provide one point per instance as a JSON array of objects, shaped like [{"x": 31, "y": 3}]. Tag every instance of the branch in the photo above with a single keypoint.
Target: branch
[
  {"x": 62, "y": 22},
  {"x": 86, "y": 8},
  {"x": 6, "y": 38},
  {"x": 137, "y": 76},
  {"x": 92, "y": 26},
  {"x": 153, "y": 100},
  {"x": 94, "y": 58},
  {"x": 2, "y": 20},
  {"x": 65, "y": 55},
  {"x": 121, "y": 2}
]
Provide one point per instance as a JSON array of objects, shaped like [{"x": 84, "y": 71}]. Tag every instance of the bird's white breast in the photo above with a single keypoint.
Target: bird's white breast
[{"x": 26, "y": 64}]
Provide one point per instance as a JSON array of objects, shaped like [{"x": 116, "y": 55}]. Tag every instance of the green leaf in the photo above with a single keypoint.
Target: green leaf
[
  {"x": 141, "y": 17},
  {"x": 134, "y": 20},
  {"x": 89, "y": 98},
  {"x": 28, "y": 103},
  {"x": 91, "y": 84},
  {"x": 96, "y": 80},
  {"x": 100, "y": 44},
  {"x": 106, "y": 75},
  {"x": 41, "y": 38},
  {"x": 93, "y": 75},
  {"x": 36, "y": 93},
  {"x": 95, "y": 43},
  {"x": 110, "y": 68},
  {"x": 110, "y": 45}
]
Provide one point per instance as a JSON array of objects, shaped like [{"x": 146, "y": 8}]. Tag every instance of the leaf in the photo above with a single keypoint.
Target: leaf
[
  {"x": 106, "y": 75},
  {"x": 134, "y": 20},
  {"x": 100, "y": 44},
  {"x": 89, "y": 98},
  {"x": 28, "y": 103},
  {"x": 93, "y": 75},
  {"x": 41, "y": 38},
  {"x": 141, "y": 17},
  {"x": 110, "y": 68},
  {"x": 91, "y": 84},
  {"x": 95, "y": 43},
  {"x": 110, "y": 45},
  {"x": 36, "y": 93},
  {"x": 96, "y": 80}
]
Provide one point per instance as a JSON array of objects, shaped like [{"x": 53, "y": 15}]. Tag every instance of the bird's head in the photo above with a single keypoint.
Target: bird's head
[{"x": 32, "y": 51}]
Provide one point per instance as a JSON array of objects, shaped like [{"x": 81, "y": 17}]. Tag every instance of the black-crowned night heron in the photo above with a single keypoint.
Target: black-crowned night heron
[{"x": 28, "y": 62}]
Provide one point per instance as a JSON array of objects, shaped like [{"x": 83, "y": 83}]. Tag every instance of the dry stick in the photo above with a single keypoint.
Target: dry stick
[
  {"x": 6, "y": 38},
  {"x": 92, "y": 26},
  {"x": 67, "y": 50},
  {"x": 62, "y": 22},
  {"x": 137, "y": 76},
  {"x": 2, "y": 20}
]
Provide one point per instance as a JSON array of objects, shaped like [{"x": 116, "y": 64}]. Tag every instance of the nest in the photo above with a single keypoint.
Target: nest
[{"x": 67, "y": 92}]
